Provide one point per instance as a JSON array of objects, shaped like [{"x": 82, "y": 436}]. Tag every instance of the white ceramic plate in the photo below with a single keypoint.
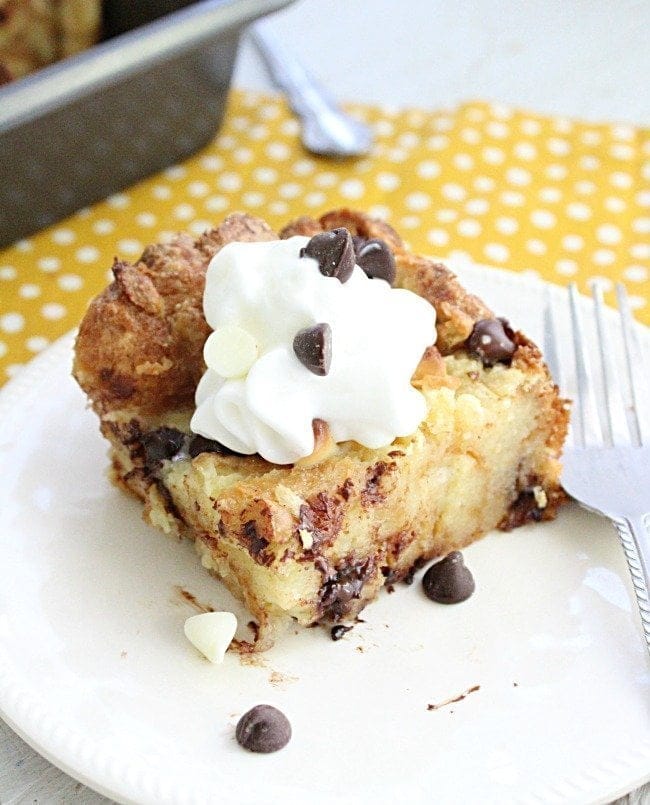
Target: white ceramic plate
[{"x": 95, "y": 672}]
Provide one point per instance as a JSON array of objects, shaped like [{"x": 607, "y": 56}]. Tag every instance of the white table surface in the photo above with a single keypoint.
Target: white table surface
[{"x": 581, "y": 58}]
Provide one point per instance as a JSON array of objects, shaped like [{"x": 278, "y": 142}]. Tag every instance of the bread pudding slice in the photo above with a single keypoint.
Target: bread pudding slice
[{"x": 315, "y": 540}]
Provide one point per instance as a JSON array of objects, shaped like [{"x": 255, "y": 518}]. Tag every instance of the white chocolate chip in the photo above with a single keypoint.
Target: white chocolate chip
[
  {"x": 211, "y": 633},
  {"x": 307, "y": 538},
  {"x": 289, "y": 499},
  {"x": 540, "y": 497},
  {"x": 230, "y": 351}
]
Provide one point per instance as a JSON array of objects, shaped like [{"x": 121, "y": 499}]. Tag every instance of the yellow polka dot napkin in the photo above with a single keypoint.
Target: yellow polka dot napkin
[{"x": 544, "y": 195}]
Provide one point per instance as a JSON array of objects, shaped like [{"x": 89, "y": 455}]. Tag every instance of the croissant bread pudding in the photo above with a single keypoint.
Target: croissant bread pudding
[{"x": 322, "y": 415}]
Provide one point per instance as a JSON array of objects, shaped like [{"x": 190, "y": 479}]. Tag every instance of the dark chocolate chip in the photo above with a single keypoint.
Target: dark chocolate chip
[
  {"x": 338, "y": 631},
  {"x": 200, "y": 444},
  {"x": 448, "y": 581},
  {"x": 334, "y": 253},
  {"x": 490, "y": 343},
  {"x": 263, "y": 729},
  {"x": 313, "y": 348},
  {"x": 161, "y": 444},
  {"x": 377, "y": 260}
]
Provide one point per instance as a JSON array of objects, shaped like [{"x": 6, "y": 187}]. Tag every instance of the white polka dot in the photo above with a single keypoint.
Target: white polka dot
[
  {"x": 443, "y": 123},
  {"x": 30, "y": 290},
  {"x": 496, "y": 252},
  {"x": 453, "y": 192},
  {"x": 636, "y": 273},
  {"x": 409, "y": 139},
  {"x": 558, "y": 146},
  {"x": 641, "y": 225},
  {"x": 505, "y": 225},
  {"x": 463, "y": 162},
  {"x": 591, "y": 137},
  {"x": 604, "y": 283},
  {"x": 24, "y": 245},
  {"x": 289, "y": 190},
  {"x": 352, "y": 188},
  {"x": 603, "y": 257},
  {"x": 585, "y": 187},
  {"x": 253, "y": 199},
  {"x": 87, "y": 254},
  {"x": 622, "y": 151},
  {"x": 290, "y": 127},
  {"x": 438, "y": 237},
  {"x": 536, "y": 246},
  {"x": 615, "y": 204},
  {"x": 129, "y": 246},
  {"x": 103, "y": 226},
  {"x": 118, "y": 201},
  {"x": 493, "y": 156},
  {"x": 216, "y": 204},
  {"x": 418, "y": 201},
  {"x": 512, "y": 198},
  {"x": 70, "y": 282},
  {"x": 643, "y": 198},
  {"x": 146, "y": 219},
  {"x": 573, "y": 243},
  {"x": 556, "y": 172},
  {"x": 226, "y": 141},
  {"x": 3, "y": 349},
  {"x": 566, "y": 267},
  {"x": 578, "y": 211},
  {"x": 477, "y": 206},
  {"x": 36, "y": 343},
  {"x": 645, "y": 170},
  {"x": 242, "y": 155},
  {"x": 184, "y": 212},
  {"x": 383, "y": 128},
  {"x": 396, "y": 154},
  {"x": 7, "y": 273},
  {"x": 270, "y": 111},
  {"x": 501, "y": 111},
  {"x": 211, "y": 162},
  {"x": 279, "y": 207},
  {"x": 63, "y": 236},
  {"x": 12, "y": 322},
  {"x": 518, "y": 176},
  {"x": 13, "y": 369},
  {"x": 53, "y": 311},
  {"x": 471, "y": 136},
  {"x": 428, "y": 169},
  {"x": 484, "y": 184},
  {"x": 380, "y": 211},
  {"x": 562, "y": 124},
  {"x": 636, "y": 302},
  {"x": 622, "y": 132},
  {"x": 609, "y": 234},
  {"x": 621, "y": 180},
  {"x": 446, "y": 216},
  {"x": 164, "y": 236},
  {"x": 589, "y": 162},
  {"x": 531, "y": 127},
  {"x": 469, "y": 228},
  {"x": 640, "y": 251},
  {"x": 198, "y": 189},
  {"x": 230, "y": 182},
  {"x": 265, "y": 175},
  {"x": 49, "y": 264},
  {"x": 199, "y": 227},
  {"x": 550, "y": 195},
  {"x": 474, "y": 114},
  {"x": 387, "y": 181},
  {"x": 161, "y": 192},
  {"x": 525, "y": 150},
  {"x": 304, "y": 167},
  {"x": 326, "y": 179},
  {"x": 438, "y": 142},
  {"x": 315, "y": 199},
  {"x": 410, "y": 222},
  {"x": 497, "y": 129}
]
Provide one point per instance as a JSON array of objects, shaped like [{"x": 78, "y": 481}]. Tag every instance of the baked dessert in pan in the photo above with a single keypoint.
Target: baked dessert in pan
[{"x": 313, "y": 540}]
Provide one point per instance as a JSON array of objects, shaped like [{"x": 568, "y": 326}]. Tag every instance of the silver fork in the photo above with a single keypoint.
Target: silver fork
[{"x": 606, "y": 463}]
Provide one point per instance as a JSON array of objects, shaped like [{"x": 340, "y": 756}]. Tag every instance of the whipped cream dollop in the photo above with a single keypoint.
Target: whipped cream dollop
[{"x": 257, "y": 396}]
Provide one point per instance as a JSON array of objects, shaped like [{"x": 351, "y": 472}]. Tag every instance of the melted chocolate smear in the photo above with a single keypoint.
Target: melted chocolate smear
[
  {"x": 448, "y": 581},
  {"x": 334, "y": 253},
  {"x": 377, "y": 260},
  {"x": 490, "y": 343},
  {"x": 313, "y": 348},
  {"x": 161, "y": 444},
  {"x": 339, "y": 630},
  {"x": 199, "y": 444},
  {"x": 263, "y": 729},
  {"x": 458, "y": 698}
]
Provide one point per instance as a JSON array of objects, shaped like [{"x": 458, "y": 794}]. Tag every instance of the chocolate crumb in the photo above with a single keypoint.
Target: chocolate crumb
[
  {"x": 448, "y": 581},
  {"x": 339, "y": 630},
  {"x": 453, "y": 699},
  {"x": 263, "y": 729}
]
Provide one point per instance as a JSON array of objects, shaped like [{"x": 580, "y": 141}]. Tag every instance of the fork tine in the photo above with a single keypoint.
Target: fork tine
[
  {"x": 633, "y": 357},
  {"x": 617, "y": 429},
  {"x": 551, "y": 342},
  {"x": 589, "y": 431}
]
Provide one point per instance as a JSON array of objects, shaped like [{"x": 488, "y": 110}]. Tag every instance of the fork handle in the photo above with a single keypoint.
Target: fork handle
[{"x": 633, "y": 532}]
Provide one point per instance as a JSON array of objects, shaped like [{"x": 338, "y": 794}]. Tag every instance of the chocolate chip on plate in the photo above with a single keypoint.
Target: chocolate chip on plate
[
  {"x": 161, "y": 444},
  {"x": 490, "y": 343},
  {"x": 377, "y": 260},
  {"x": 263, "y": 729},
  {"x": 448, "y": 581},
  {"x": 334, "y": 253},
  {"x": 313, "y": 348}
]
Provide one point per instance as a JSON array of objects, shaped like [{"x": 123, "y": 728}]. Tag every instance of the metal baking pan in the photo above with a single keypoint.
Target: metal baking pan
[{"x": 85, "y": 127}]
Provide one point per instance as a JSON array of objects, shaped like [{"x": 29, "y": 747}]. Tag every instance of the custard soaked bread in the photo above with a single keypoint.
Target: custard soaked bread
[{"x": 313, "y": 533}]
